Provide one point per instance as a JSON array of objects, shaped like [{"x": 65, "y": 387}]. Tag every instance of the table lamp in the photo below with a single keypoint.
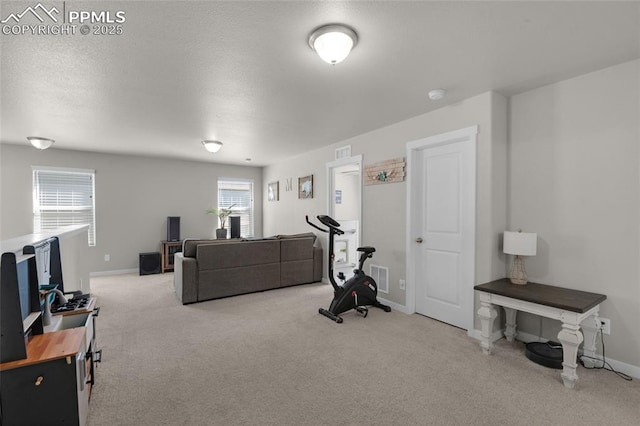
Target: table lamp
[{"x": 519, "y": 244}]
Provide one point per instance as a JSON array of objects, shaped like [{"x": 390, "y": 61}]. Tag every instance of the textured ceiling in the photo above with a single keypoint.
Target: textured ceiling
[{"x": 242, "y": 72}]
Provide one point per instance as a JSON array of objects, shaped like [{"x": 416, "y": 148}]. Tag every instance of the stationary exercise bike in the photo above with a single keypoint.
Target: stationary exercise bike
[{"x": 357, "y": 292}]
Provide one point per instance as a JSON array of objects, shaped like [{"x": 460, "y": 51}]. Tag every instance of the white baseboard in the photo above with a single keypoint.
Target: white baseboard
[
  {"x": 622, "y": 367},
  {"x": 628, "y": 369},
  {"x": 114, "y": 272},
  {"x": 395, "y": 306}
]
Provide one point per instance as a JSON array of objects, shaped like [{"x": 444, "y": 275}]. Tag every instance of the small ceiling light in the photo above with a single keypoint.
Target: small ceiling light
[
  {"x": 333, "y": 42},
  {"x": 40, "y": 143},
  {"x": 437, "y": 94},
  {"x": 248, "y": 160},
  {"x": 212, "y": 146}
]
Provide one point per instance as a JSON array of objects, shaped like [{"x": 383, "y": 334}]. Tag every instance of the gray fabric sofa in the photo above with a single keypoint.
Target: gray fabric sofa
[{"x": 211, "y": 269}]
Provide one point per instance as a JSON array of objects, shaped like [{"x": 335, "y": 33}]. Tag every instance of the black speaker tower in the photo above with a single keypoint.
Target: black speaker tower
[
  {"x": 173, "y": 228},
  {"x": 235, "y": 226}
]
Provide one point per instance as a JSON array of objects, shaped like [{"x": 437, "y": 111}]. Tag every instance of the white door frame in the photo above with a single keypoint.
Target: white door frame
[
  {"x": 356, "y": 159},
  {"x": 413, "y": 149}
]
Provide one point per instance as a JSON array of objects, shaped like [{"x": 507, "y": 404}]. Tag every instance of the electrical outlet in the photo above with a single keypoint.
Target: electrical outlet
[
  {"x": 605, "y": 325},
  {"x": 107, "y": 258},
  {"x": 402, "y": 284}
]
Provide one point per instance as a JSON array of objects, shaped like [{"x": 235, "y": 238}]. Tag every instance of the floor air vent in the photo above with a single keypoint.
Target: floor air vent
[{"x": 380, "y": 275}]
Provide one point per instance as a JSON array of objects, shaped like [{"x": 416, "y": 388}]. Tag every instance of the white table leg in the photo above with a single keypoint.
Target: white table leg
[
  {"x": 487, "y": 314},
  {"x": 590, "y": 328},
  {"x": 570, "y": 337},
  {"x": 510, "y": 331}
]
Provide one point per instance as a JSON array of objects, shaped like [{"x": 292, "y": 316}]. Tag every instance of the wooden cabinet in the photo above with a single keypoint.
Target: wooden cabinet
[
  {"x": 50, "y": 386},
  {"x": 168, "y": 250},
  {"x": 56, "y": 376},
  {"x": 46, "y": 371}
]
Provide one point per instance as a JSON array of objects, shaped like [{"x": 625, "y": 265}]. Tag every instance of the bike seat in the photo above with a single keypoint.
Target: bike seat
[{"x": 367, "y": 249}]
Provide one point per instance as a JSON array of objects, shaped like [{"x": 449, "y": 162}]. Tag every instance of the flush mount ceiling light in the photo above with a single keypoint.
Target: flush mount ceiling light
[
  {"x": 333, "y": 42},
  {"x": 437, "y": 94},
  {"x": 212, "y": 146},
  {"x": 40, "y": 143}
]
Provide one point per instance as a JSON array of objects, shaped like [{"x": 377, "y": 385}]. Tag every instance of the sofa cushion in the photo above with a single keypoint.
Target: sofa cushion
[
  {"x": 237, "y": 254},
  {"x": 293, "y": 236},
  {"x": 190, "y": 246},
  {"x": 296, "y": 249},
  {"x": 296, "y": 272},
  {"x": 216, "y": 283}
]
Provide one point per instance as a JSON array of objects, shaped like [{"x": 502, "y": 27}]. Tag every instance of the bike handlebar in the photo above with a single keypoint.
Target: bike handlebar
[{"x": 328, "y": 222}]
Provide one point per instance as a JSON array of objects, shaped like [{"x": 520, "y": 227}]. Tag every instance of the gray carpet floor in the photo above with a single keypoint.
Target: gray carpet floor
[{"x": 270, "y": 359}]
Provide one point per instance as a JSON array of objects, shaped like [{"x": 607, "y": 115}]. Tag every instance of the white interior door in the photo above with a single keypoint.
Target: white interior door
[{"x": 442, "y": 227}]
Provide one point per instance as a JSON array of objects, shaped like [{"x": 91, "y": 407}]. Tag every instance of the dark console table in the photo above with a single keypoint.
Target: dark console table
[{"x": 578, "y": 310}]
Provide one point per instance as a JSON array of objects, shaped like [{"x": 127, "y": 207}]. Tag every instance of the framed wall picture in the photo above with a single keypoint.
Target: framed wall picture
[
  {"x": 273, "y": 191},
  {"x": 389, "y": 171},
  {"x": 305, "y": 187}
]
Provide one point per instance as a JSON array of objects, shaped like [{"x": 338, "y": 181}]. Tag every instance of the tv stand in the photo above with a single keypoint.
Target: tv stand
[{"x": 169, "y": 249}]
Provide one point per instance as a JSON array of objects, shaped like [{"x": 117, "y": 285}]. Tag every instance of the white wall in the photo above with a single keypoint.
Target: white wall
[
  {"x": 134, "y": 196},
  {"x": 384, "y": 209},
  {"x": 574, "y": 179}
]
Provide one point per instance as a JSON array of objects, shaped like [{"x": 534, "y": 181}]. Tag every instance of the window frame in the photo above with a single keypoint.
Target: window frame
[
  {"x": 252, "y": 209},
  {"x": 38, "y": 206}
]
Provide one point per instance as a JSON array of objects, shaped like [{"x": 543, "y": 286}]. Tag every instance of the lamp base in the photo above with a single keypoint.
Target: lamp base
[{"x": 518, "y": 273}]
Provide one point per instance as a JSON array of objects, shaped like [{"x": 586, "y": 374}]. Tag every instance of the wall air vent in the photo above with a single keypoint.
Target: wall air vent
[
  {"x": 344, "y": 152},
  {"x": 380, "y": 275}
]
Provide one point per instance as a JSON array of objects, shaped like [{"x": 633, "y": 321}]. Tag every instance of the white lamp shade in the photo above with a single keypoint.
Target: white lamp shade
[
  {"x": 333, "y": 42},
  {"x": 520, "y": 243},
  {"x": 212, "y": 146}
]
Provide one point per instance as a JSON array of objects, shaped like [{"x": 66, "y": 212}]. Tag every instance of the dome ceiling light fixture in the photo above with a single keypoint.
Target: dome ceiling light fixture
[
  {"x": 333, "y": 42},
  {"x": 40, "y": 143},
  {"x": 212, "y": 146},
  {"x": 437, "y": 94}
]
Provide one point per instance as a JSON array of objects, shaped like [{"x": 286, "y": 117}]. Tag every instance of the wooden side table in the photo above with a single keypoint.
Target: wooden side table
[
  {"x": 168, "y": 250},
  {"x": 575, "y": 309}
]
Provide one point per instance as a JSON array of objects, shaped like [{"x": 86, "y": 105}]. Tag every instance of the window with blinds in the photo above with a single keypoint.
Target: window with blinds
[
  {"x": 239, "y": 195},
  {"x": 63, "y": 197}
]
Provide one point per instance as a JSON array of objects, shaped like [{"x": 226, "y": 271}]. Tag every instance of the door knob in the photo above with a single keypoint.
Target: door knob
[{"x": 419, "y": 240}]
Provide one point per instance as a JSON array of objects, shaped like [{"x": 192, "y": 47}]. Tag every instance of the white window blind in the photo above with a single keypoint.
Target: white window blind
[
  {"x": 63, "y": 197},
  {"x": 239, "y": 194}
]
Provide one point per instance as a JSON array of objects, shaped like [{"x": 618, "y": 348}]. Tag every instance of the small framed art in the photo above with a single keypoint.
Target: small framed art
[
  {"x": 273, "y": 191},
  {"x": 305, "y": 187}
]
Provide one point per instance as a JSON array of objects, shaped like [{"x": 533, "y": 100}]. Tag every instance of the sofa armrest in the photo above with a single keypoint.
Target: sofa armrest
[
  {"x": 317, "y": 264},
  {"x": 185, "y": 278}
]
